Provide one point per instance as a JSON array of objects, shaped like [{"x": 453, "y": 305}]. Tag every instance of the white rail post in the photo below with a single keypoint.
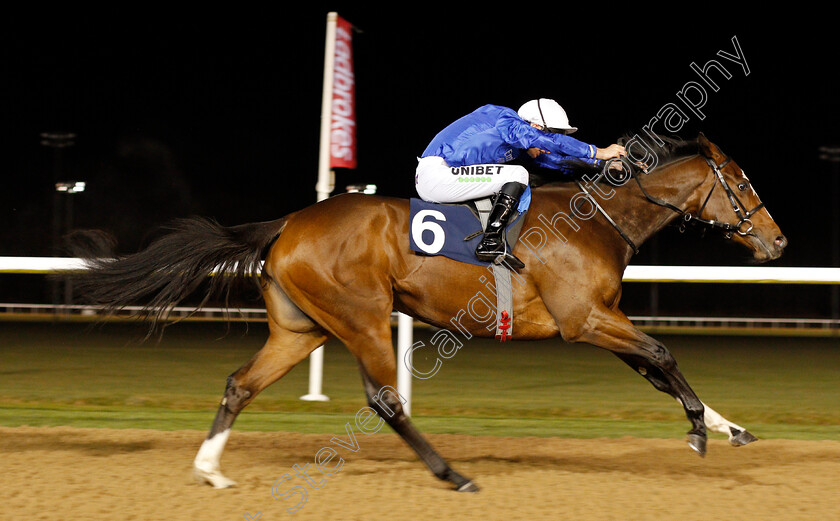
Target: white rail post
[
  {"x": 325, "y": 185},
  {"x": 405, "y": 337},
  {"x": 316, "y": 377}
]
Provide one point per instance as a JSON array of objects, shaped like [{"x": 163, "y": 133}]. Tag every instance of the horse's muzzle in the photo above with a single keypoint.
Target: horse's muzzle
[{"x": 768, "y": 251}]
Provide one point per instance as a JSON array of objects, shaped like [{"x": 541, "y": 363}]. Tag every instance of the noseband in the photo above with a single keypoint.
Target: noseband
[{"x": 742, "y": 228}]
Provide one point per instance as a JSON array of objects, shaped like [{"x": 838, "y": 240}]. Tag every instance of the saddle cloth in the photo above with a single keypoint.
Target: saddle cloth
[{"x": 454, "y": 230}]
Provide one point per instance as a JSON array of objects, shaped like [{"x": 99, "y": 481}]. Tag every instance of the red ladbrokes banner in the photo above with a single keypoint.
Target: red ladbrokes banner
[{"x": 343, "y": 118}]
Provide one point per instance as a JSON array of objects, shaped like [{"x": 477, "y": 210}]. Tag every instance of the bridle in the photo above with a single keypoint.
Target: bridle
[
  {"x": 737, "y": 206},
  {"x": 687, "y": 218}
]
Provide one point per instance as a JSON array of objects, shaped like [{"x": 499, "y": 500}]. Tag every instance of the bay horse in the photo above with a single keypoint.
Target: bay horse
[{"x": 340, "y": 267}]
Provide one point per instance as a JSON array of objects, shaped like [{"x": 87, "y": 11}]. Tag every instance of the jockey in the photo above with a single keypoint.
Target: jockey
[{"x": 487, "y": 140}]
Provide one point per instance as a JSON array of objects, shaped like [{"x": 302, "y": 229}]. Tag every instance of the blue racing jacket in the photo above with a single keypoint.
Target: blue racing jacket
[{"x": 494, "y": 134}]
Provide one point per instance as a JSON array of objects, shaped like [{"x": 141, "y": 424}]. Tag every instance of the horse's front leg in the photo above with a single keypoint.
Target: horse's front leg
[
  {"x": 613, "y": 331},
  {"x": 738, "y": 435}
]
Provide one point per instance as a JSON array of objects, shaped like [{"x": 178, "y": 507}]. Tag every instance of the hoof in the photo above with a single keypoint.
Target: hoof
[
  {"x": 740, "y": 438},
  {"x": 469, "y": 486},
  {"x": 213, "y": 478},
  {"x": 698, "y": 443}
]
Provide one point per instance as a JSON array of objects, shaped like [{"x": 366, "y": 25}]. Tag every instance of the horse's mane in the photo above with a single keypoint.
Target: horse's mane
[{"x": 672, "y": 149}]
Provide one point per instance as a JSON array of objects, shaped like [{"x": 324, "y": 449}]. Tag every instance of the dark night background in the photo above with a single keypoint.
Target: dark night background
[{"x": 218, "y": 114}]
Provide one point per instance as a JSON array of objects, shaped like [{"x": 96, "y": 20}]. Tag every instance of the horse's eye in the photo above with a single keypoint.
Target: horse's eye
[{"x": 742, "y": 187}]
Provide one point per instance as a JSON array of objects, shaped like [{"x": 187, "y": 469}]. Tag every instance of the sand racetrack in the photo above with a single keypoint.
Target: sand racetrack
[{"x": 120, "y": 474}]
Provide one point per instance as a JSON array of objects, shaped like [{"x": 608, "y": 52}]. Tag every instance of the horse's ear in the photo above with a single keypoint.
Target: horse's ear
[{"x": 708, "y": 149}]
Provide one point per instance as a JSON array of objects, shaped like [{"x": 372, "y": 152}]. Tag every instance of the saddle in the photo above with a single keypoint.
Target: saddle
[{"x": 453, "y": 230}]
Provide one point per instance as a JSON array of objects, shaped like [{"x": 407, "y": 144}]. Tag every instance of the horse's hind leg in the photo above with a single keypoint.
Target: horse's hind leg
[
  {"x": 282, "y": 351},
  {"x": 365, "y": 328},
  {"x": 387, "y": 402},
  {"x": 611, "y": 330},
  {"x": 353, "y": 300}
]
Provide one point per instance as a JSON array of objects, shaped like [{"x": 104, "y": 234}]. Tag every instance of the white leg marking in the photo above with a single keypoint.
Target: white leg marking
[
  {"x": 718, "y": 423},
  {"x": 206, "y": 464}
]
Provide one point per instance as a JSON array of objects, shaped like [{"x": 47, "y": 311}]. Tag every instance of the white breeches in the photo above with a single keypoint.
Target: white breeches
[{"x": 437, "y": 182}]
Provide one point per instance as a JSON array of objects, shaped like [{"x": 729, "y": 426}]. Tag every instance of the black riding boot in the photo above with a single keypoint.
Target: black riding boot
[{"x": 493, "y": 244}]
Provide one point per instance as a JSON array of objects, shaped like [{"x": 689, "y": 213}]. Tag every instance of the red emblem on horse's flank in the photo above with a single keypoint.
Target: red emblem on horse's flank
[{"x": 504, "y": 326}]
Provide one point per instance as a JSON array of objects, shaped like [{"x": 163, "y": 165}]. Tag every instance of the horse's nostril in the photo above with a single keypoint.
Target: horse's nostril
[{"x": 781, "y": 241}]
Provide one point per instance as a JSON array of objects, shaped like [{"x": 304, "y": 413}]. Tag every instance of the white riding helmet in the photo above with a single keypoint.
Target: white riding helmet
[{"x": 548, "y": 114}]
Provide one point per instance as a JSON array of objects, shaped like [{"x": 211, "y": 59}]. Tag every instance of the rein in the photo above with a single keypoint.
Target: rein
[
  {"x": 687, "y": 218},
  {"x": 609, "y": 219}
]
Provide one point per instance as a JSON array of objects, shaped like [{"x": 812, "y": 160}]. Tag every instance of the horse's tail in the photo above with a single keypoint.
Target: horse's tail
[{"x": 175, "y": 265}]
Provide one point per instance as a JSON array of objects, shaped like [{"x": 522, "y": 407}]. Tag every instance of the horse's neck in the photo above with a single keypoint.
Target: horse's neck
[{"x": 676, "y": 183}]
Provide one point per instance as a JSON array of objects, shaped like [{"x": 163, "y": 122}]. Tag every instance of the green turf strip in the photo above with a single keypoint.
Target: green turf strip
[
  {"x": 66, "y": 375},
  {"x": 333, "y": 423}
]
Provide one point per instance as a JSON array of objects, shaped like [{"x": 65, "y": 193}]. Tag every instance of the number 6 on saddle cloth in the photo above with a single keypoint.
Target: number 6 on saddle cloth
[{"x": 454, "y": 230}]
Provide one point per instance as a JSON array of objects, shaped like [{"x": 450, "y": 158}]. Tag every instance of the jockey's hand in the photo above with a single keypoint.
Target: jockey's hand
[
  {"x": 610, "y": 152},
  {"x": 617, "y": 166},
  {"x": 534, "y": 152}
]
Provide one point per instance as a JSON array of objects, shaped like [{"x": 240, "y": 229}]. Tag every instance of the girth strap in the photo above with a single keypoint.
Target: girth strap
[{"x": 504, "y": 289}]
